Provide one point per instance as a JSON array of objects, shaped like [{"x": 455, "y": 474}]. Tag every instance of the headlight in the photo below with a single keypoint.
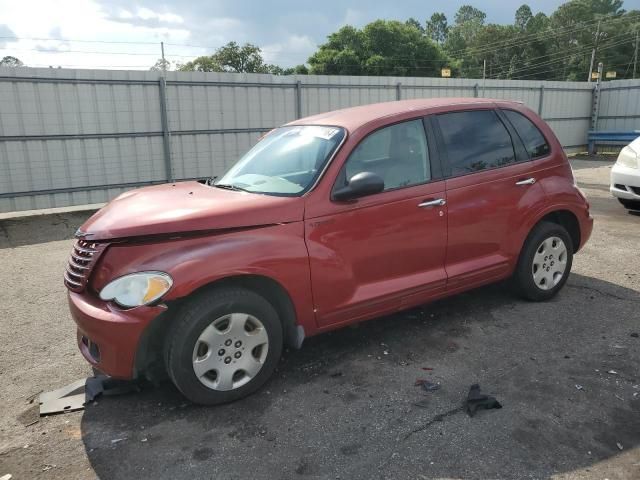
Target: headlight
[
  {"x": 628, "y": 158},
  {"x": 137, "y": 289}
]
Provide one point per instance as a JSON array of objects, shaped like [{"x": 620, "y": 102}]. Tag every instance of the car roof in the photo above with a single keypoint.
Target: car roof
[{"x": 355, "y": 117}]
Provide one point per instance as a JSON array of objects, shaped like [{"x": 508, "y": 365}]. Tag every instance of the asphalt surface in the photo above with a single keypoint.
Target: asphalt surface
[{"x": 566, "y": 372}]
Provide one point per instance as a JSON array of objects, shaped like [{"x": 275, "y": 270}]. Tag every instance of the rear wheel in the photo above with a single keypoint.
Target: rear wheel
[
  {"x": 223, "y": 346},
  {"x": 630, "y": 204},
  {"x": 545, "y": 262}
]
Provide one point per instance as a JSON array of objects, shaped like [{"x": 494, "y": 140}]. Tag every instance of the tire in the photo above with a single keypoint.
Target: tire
[
  {"x": 206, "y": 334},
  {"x": 630, "y": 204},
  {"x": 545, "y": 243}
]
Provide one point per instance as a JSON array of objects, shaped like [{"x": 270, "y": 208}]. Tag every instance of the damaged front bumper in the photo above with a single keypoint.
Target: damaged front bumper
[{"x": 108, "y": 337}]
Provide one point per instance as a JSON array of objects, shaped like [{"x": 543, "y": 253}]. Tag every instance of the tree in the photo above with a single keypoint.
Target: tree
[
  {"x": 412, "y": 22},
  {"x": 437, "y": 28},
  {"x": 297, "y": 70},
  {"x": 230, "y": 58},
  {"x": 383, "y": 47},
  {"x": 523, "y": 15},
  {"x": 161, "y": 65},
  {"x": 463, "y": 37},
  {"x": 467, "y": 14},
  {"x": 10, "y": 61}
]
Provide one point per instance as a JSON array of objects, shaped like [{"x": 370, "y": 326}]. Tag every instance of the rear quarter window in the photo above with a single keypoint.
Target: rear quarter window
[
  {"x": 532, "y": 138},
  {"x": 475, "y": 140}
]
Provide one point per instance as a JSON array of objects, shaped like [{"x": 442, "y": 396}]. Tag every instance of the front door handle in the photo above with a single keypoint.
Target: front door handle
[
  {"x": 438, "y": 202},
  {"x": 527, "y": 181}
]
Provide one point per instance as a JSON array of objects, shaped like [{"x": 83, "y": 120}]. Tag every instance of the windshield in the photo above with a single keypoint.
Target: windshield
[{"x": 286, "y": 161}]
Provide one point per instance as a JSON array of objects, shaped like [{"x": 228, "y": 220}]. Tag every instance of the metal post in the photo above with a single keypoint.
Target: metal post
[
  {"x": 166, "y": 134},
  {"x": 484, "y": 75},
  {"x": 593, "y": 57},
  {"x": 298, "y": 99},
  {"x": 541, "y": 99},
  {"x": 398, "y": 91},
  {"x": 595, "y": 107},
  {"x": 164, "y": 65}
]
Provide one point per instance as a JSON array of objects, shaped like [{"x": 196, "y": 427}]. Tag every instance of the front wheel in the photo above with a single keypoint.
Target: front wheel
[
  {"x": 223, "y": 346},
  {"x": 544, "y": 263}
]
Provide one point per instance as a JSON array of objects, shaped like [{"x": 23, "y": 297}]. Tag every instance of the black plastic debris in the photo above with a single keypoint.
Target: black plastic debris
[
  {"x": 427, "y": 385},
  {"x": 477, "y": 400}
]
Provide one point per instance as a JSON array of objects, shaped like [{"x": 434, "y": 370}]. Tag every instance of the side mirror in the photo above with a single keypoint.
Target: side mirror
[{"x": 360, "y": 185}]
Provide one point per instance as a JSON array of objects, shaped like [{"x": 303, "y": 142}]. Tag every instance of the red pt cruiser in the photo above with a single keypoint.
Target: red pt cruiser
[{"x": 328, "y": 220}]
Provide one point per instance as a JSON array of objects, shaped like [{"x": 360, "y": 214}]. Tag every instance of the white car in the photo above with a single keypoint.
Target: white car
[{"x": 625, "y": 176}]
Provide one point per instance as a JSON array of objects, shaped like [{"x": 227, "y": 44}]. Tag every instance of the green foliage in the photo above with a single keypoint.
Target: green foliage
[
  {"x": 10, "y": 61},
  {"x": 437, "y": 27},
  {"x": 161, "y": 65},
  {"x": 232, "y": 58},
  {"x": 383, "y": 47},
  {"x": 535, "y": 46}
]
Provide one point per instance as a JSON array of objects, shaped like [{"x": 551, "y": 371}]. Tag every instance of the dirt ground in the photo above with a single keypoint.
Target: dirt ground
[{"x": 567, "y": 373}]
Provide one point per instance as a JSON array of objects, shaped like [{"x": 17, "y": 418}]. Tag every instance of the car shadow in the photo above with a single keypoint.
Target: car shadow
[{"x": 345, "y": 405}]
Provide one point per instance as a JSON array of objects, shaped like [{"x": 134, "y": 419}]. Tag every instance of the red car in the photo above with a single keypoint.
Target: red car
[{"x": 328, "y": 220}]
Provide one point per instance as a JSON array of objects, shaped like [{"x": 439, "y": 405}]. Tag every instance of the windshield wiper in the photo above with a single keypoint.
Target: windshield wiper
[{"x": 228, "y": 186}]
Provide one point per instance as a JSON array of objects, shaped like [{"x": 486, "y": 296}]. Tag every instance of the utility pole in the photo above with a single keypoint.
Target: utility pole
[
  {"x": 593, "y": 57},
  {"x": 635, "y": 56},
  {"x": 164, "y": 65},
  {"x": 593, "y": 52}
]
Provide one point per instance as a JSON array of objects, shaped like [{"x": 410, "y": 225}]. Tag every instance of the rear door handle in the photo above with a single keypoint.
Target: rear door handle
[
  {"x": 438, "y": 202},
  {"x": 527, "y": 181}
]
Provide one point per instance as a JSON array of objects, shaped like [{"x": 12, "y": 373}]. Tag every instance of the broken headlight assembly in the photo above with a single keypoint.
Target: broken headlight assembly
[{"x": 137, "y": 289}]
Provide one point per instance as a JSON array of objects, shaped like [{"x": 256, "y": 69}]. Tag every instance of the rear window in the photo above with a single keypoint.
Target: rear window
[
  {"x": 531, "y": 136},
  {"x": 475, "y": 140}
]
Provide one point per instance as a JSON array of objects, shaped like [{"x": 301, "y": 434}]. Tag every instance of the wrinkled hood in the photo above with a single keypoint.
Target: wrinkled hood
[{"x": 187, "y": 207}]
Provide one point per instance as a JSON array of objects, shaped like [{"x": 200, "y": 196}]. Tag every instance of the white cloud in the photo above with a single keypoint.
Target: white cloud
[
  {"x": 86, "y": 20},
  {"x": 354, "y": 18},
  {"x": 293, "y": 51}
]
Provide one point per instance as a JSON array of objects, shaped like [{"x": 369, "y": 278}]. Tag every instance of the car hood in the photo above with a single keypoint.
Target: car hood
[{"x": 185, "y": 207}]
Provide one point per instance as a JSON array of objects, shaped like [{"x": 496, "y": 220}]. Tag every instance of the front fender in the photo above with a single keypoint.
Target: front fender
[{"x": 277, "y": 252}]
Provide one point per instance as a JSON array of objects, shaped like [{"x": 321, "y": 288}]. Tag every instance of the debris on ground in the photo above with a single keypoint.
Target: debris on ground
[
  {"x": 427, "y": 385},
  {"x": 635, "y": 334},
  {"x": 579, "y": 387},
  {"x": 117, "y": 440},
  {"x": 428, "y": 369},
  {"x": 476, "y": 400},
  {"x": 619, "y": 445},
  {"x": 76, "y": 395},
  {"x": 7, "y": 476},
  {"x": 612, "y": 372}
]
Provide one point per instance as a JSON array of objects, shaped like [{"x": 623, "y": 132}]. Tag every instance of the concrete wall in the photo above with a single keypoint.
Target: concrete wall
[{"x": 70, "y": 137}]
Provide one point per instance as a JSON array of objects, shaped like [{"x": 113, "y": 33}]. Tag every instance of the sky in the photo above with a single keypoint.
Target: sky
[{"x": 126, "y": 34}]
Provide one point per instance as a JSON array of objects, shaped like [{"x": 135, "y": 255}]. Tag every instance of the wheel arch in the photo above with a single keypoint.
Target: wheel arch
[
  {"x": 566, "y": 219},
  {"x": 149, "y": 355}
]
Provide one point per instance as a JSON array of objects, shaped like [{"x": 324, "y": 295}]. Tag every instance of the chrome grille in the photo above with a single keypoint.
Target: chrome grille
[{"x": 82, "y": 259}]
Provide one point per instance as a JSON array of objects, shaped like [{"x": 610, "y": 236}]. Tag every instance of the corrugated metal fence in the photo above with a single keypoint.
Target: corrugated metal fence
[{"x": 71, "y": 137}]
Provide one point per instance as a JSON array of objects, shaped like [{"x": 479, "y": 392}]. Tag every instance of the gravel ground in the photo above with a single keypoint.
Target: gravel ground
[{"x": 345, "y": 406}]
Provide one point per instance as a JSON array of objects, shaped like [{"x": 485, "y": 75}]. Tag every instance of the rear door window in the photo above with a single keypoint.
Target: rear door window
[
  {"x": 475, "y": 140},
  {"x": 531, "y": 136}
]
